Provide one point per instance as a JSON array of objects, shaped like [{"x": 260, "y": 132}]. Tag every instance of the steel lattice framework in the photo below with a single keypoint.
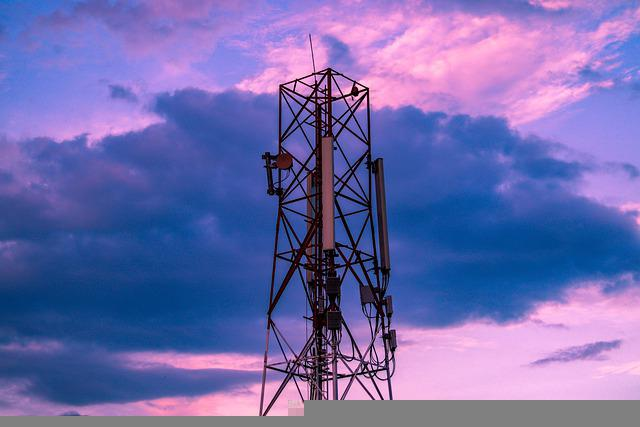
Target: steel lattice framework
[{"x": 321, "y": 354}]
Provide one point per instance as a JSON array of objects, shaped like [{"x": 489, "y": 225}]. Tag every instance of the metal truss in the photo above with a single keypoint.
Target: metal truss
[{"x": 306, "y": 353}]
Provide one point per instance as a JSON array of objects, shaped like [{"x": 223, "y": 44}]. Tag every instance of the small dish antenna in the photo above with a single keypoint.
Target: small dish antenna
[{"x": 284, "y": 161}]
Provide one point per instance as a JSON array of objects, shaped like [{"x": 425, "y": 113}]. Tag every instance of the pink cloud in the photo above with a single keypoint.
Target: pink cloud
[
  {"x": 457, "y": 61},
  {"x": 552, "y": 4},
  {"x": 96, "y": 118},
  {"x": 235, "y": 361},
  {"x": 633, "y": 208},
  {"x": 408, "y": 53},
  {"x": 482, "y": 360},
  {"x": 239, "y": 402}
]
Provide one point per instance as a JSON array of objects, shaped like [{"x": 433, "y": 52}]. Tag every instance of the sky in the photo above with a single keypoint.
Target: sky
[{"x": 135, "y": 230}]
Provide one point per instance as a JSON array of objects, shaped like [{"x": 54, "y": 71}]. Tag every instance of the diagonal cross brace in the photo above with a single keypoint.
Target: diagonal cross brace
[{"x": 294, "y": 265}]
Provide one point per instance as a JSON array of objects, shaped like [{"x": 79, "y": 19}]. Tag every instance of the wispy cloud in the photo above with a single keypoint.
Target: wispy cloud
[{"x": 591, "y": 351}]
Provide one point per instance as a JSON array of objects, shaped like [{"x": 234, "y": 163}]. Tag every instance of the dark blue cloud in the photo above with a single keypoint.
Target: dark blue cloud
[
  {"x": 488, "y": 222},
  {"x": 161, "y": 238},
  {"x": 591, "y": 351},
  {"x": 83, "y": 377},
  {"x": 152, "y": 239},
  {"x": 122, "y": 92}
]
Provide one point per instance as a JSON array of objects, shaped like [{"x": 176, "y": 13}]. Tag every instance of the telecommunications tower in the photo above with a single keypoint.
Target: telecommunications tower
[{"x": 329, "y": 313}]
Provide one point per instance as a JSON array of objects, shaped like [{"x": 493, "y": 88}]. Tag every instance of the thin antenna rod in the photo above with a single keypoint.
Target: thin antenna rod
[{"x": 313, "y": 61}]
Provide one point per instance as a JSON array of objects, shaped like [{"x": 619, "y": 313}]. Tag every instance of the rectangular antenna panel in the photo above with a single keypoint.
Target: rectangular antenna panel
[
  {"x": 328, "y": 232},
  {"x": 381, "y": 205}
]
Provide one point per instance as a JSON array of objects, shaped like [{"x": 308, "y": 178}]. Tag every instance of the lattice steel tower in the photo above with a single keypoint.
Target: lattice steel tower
[{"x": 327, "y": 257}]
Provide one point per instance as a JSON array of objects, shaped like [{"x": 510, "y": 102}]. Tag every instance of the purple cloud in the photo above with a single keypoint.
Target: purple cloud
[{"x": 591, "y": 351}]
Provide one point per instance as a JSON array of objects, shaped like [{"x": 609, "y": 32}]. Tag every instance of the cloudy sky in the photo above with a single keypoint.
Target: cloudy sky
[{"x": 135, "y": 232}]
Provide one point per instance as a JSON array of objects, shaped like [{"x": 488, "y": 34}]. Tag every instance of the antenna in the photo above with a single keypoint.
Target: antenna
[
  {"x": 381, "y": 204},
  {"x": 313, "y": 61}
]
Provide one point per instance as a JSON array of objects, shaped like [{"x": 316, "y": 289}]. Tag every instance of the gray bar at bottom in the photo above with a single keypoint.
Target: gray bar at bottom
[{"x": 391, "y": 414}]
